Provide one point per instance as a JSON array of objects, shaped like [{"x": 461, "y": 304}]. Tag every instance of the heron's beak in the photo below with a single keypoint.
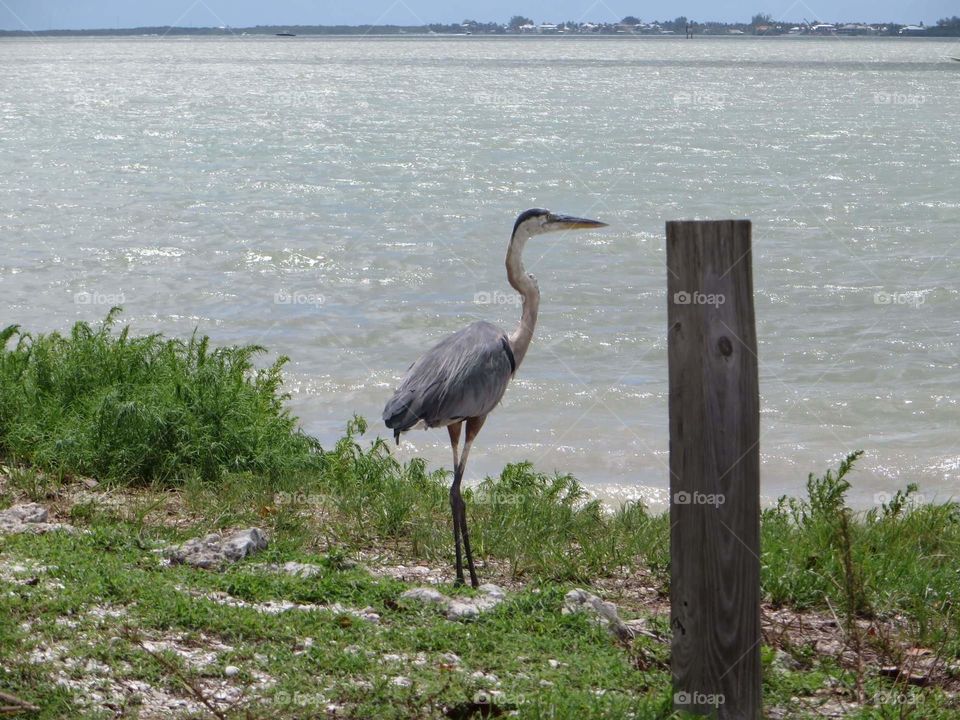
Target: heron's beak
[{"x": 568, "y": 222}]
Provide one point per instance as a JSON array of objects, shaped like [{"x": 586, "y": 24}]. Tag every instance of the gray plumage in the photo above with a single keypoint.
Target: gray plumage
[
  {"x": 459, "y": 380},
  {"x": 464, "y": 375}
]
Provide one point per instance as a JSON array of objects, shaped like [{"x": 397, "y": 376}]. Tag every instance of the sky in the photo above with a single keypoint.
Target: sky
[{"x": 80, "y": 14}]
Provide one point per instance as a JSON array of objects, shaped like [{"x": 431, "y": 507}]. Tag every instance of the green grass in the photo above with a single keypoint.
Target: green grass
[
  {"x": 201, "y": 434},
  {"x": 900, "y": 559},
  {"x": 107, "y": 568},
  {"x": 113, "y": 564},
  {"x": 544, "y": 526},
  {"x": 139, "y": 409}
]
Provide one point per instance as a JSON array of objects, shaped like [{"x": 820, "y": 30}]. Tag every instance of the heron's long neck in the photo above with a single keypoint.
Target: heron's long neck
[{"x": 527, "y": 287}]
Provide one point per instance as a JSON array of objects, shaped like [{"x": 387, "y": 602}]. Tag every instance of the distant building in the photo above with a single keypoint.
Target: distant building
[
  {"x": 856, "y": 29},
  {"x": 913, "y": 30},
  {"x": 548, "y": 29}
]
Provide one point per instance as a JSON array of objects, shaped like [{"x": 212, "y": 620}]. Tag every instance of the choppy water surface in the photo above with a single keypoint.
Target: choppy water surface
[{"x": 347, "y": 202}]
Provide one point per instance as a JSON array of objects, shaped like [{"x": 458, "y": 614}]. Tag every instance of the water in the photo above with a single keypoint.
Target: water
[{"x": 347, "y": 202}]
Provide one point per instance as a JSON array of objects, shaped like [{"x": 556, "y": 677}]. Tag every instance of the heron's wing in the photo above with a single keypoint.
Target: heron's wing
[{"x": 464, "y": 375}]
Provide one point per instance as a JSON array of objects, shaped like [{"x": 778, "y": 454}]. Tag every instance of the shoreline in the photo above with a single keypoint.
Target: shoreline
[{"x": 247, "y": 35}]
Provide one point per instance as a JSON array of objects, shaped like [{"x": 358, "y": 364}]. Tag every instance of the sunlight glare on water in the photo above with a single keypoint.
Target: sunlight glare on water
[{"x": 348, "y": 202}]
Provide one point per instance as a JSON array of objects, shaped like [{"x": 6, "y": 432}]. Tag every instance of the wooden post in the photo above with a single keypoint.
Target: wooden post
[{"x": 714, "y": 470}]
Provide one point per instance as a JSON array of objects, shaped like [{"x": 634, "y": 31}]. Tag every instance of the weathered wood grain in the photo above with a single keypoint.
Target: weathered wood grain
[{"x": 714, "y": 469}]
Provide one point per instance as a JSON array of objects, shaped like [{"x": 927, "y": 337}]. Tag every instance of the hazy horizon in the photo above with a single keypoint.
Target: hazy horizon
[{"x": 39, "y": 15}]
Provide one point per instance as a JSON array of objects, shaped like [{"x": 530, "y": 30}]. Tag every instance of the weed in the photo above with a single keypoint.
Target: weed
[{"x": 138, "y": 409}]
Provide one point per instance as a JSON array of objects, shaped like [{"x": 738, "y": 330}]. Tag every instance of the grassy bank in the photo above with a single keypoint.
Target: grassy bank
[
  {"x": 859, "y": 613},
  {"x": 143, "y": 409}
]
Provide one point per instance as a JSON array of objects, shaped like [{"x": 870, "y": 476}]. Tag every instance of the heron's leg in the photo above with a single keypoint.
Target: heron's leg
[
  {"x": 473, "y": 427},
  {"x": 454, "y": 430},
  {"x": 455, "y": 499}
]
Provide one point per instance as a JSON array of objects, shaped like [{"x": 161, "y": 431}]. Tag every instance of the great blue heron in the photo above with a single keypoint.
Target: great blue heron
[{"x": 464, "y": 376}]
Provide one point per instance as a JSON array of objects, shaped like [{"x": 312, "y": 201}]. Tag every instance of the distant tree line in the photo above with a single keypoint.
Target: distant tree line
[
  {"x": 946, "y": 27},
  {"x": 760, "y": 23}
]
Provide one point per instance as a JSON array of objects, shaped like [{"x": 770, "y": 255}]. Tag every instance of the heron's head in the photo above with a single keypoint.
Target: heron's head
[{"x": 538, "y": 221}]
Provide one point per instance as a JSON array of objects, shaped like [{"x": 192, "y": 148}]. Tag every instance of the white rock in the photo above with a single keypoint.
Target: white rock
[
  {"x": 488, "y": 678},
  {"x": 492, "y": 590},
  {"x": 450, "y": 658},
  {"x": 785, "y": 662},
  {"x": 28, "y": 517},
  {"x": 244, "y": 543},
  {"x": 425, "y": 595},
  {"x": 27, "y": 513},
  {"x": 579, "y": 600},
  {"x": 458, "y": 610},
  {"x": 231, "y": 671},
  {"x": 303, "y": 570},
  {"x": 213, "y": 550},
  {"x": 401, "y": 681}
]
